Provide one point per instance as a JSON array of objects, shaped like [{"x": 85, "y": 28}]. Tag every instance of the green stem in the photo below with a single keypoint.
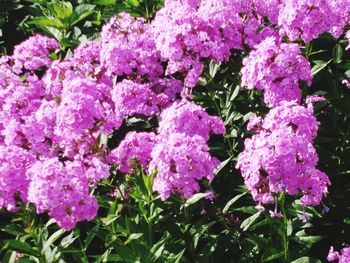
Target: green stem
[
  {"x": 285, "y": 231},
  {"x": 212, "y": 96},
  {"x": 150, "y": 224},
  {"x": 147, "y": 12}
]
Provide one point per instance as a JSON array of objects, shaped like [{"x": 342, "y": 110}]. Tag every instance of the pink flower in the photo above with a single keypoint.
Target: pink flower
[
  {"x": 281, "y": 157},
  {"x": 133, "y": 152},
  {"x": 276, "y": 68}
]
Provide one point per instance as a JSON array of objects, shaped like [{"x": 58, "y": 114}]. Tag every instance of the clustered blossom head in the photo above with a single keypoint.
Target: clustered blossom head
[
  {"x": 307, "y": 19},
  {"x": 14, "y": 163},
  {"x": 83, "y": 112},
  {"x": 181, "y": 156},
  {"x": 178, "y": 152},
  {"x": 186, "y": 117},
  {"x": 132, "y": 98},
  {"x": 128, "y": 48},
  {"x": 62, "y": 189},
  {"x": 87, "y": 58},
  {"x": 281, "y": 157},
  {"x": 187, "y": 31},
  {"x": 255, "y": 25},
  {"x": 340, "y": 16},
  {"x": 342, "y": 257},
  {"x": 264, "y": 8},
  {"x": 33, "y": 53},
  {"x": 134, "y": 151},
  {"x": 181, "y": 161},
  {"x": 276, "y": 68}
]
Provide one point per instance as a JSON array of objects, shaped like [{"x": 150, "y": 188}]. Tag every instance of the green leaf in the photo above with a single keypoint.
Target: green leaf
[
  {"x": 132, "y": 237},
  {"x": 24, "y": 260},
  {"x": 40, "y": 2},
  {"x": 52, "y": 239},
  {"x": 303, "y": 238},
  {"x": 13, "y": 230},
  {"x": 247, "y": 116},
  {"x": 246, "y": 209},
  {"x": 148, "y": 181},
  {"x": 21, "y": 247},
  {"x": 196, "y": 197},
  {"x": 176, "y": 258},
  {"x": 141, "y": 186},
  {"x": 157, "y": 249},
  {"x": 273, "y": 256},
  {"x": 318, "y": 67},
  {"x": 306, "y": 260},
  {"x": 105, "y": 2},
  {"x": 80, "y": 13},
  {"x": 232, "y": 201},
  {"x": 222, "y": 165},
  {"x": 54, "y": 32},
  {"x": 50, "y": 222},
  {"x": 43, "y": 22},
  {"x": 109, "y": 220},
  {"x": 309, "y": 239},
  {"x": 337, "y": 53},
  {"x": 123, "y": 252},
  {"x": 104, "y": 256},
  {"x": 347, "y": 73},
  {"x": 91, "y": 235},
  {"x": 235, "y": 93},
  {"x": 234, "y": 133},
  {"x": 213, "y": 69},
  {"x": 66, "y": 42},
  {"x": 289, "y": 227},
  {"x": 61, "y": 10},
  {"x": 249, "y": 221},
  {"x": 134, "y": 3},
  {"x": 103, "y": 139},
  {"x": 68, "y": 240}
]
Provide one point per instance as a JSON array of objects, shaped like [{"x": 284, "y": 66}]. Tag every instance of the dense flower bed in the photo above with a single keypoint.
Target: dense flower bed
[{"x": 54, "y": 113}]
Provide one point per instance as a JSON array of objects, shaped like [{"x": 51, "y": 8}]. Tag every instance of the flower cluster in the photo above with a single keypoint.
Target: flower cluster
[
  {"x": 276, "y": 68},
  {"x": 187, "y": 31},
  {"x": 188, "y": 118},
  {"x": 133, "y": 152},
  {"x": 128, "y": 48},
  {"x": 14, "y": 163},
  {"x": 342, "y": 257},
  {"x": 63, "y": 189},
  {"x": 281, "y": 157},
  {"x": 181, "y": 156},
  {"x": 33, "y": 53},
  {"x": 83, "y": 114},
  {"x": 132, "y": 98},
  {"x": 180, "y": 161},
  {"x": 178, "y": 152},
  {"x": 307, "y": 19}
]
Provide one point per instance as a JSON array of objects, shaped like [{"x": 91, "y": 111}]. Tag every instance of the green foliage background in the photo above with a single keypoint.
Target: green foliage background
[{"x": 134, "y": 225}]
